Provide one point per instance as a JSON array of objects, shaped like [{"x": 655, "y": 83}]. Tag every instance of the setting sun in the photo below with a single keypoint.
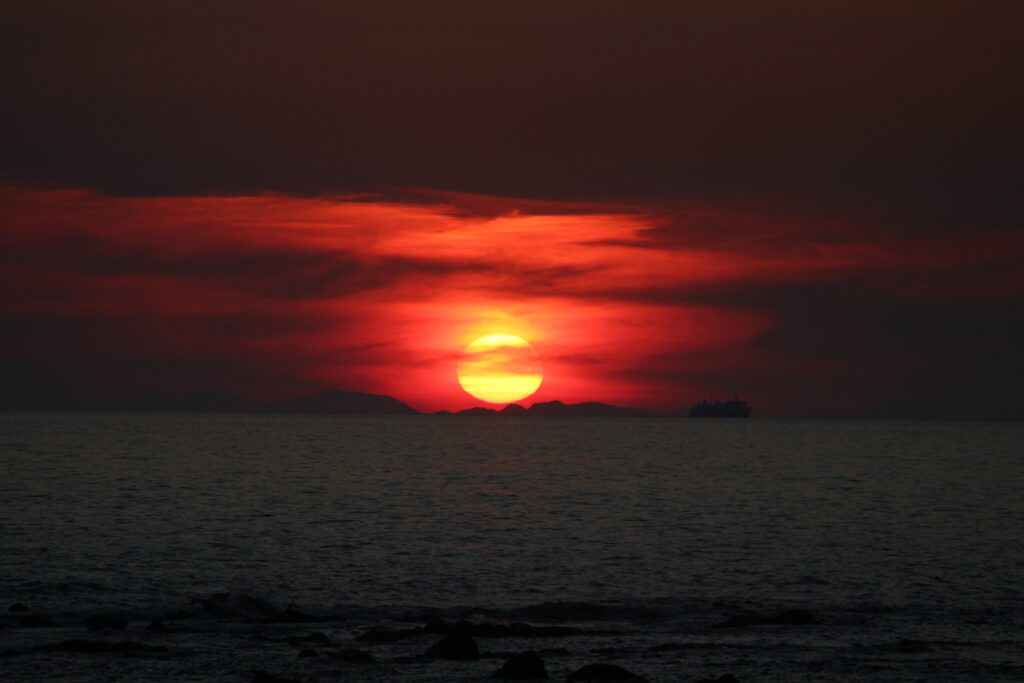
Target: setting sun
[{"x": 500, "y": 368}]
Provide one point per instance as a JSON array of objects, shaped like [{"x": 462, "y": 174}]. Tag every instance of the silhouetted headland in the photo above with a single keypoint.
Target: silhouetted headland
[
  {"x": 345, "y": 402},
  {"x": 559, "y": 409}
]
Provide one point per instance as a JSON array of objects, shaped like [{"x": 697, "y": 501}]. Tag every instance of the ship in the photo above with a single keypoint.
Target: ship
[{"x": 712, "y": 408}]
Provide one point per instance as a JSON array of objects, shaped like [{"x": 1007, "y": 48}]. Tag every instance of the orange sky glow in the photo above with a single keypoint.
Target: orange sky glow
[{"x": 270, "y": 294}]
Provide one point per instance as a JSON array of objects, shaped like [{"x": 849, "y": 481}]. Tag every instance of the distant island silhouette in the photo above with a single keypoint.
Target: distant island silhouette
[
  {"x": 339, "y": 402},
  {"x": 559, "y": 409}
]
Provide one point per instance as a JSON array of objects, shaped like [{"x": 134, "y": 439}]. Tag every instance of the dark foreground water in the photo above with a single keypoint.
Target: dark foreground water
[{"x": 638, "y": 538}]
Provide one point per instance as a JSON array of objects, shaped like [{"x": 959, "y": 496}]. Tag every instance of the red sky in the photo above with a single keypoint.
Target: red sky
[
  {"x": 816, "y": 206},
  {"x": 271, "y": 295}
]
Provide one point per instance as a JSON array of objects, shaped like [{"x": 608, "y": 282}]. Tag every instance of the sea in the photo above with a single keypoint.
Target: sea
[{"x": 222, "y": 547}]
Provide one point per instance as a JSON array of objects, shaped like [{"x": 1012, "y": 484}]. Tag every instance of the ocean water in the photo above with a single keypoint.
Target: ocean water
[{"x": 904, "y": 541}]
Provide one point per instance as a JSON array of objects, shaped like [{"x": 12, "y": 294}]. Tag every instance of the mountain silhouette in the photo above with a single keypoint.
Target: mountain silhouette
[
  {"x": 478, "y": 410},
  {"x": 559, "y": 409},
  {"x": 335, "y": 401}
]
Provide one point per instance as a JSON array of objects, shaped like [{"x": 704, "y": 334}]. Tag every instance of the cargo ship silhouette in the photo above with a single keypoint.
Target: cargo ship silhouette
[{"x": 712, "y": 408}]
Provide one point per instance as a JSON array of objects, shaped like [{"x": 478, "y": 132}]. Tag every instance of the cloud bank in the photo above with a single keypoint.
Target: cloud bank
[{"x": 109, "y": 299}]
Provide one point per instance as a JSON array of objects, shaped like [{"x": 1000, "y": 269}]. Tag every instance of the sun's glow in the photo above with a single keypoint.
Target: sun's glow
[{"x": 500, "y": 368}]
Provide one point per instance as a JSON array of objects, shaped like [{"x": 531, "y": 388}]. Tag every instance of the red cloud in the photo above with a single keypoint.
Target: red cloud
[{"x": 270, "y": 295}]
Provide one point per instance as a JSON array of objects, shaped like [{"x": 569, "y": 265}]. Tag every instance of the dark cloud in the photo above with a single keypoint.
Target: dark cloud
[{"x": 903, "y": 112}]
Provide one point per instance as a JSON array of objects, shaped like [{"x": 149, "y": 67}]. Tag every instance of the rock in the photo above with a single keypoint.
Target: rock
[
  {"x": 37, "y": 621},
  {"x": 104, "y": 623},
  {"x": 454, "y": 646},
  {"x": 18, "y": 607},
  {"x": 523, "y": 666},
  {"x": 353, "y": 655},
  {"x": 309, "y": 652},
  {"x": 603, "y": 672}
]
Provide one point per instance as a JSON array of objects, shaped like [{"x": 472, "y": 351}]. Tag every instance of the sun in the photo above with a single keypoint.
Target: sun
[{"x": 500, "y": 368}]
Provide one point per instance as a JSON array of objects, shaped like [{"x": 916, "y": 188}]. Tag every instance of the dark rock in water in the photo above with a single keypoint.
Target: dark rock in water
[
  {"x": 37, "y": 621},
  {"x": 454, "y": 646},
  {"x": 79, "y": 646},
  {"x": 104, "y": 623},
  {"x": 603, "y": 672},
  {"x": 264, "y": 676},
  {"x": 724, "y": 678},
  {"x": 523, "y": 666},
  {"x": 309, "y": 652},
  {"x": 18, "y": 607},
  {"x": 791, "y": 617},
  {"x": 353, "y": 655},
  {"x": 317, "y": 637}
]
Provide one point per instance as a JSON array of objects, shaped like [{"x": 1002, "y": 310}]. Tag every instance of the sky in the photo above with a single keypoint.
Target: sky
[{"x": 817, "y": 206}]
